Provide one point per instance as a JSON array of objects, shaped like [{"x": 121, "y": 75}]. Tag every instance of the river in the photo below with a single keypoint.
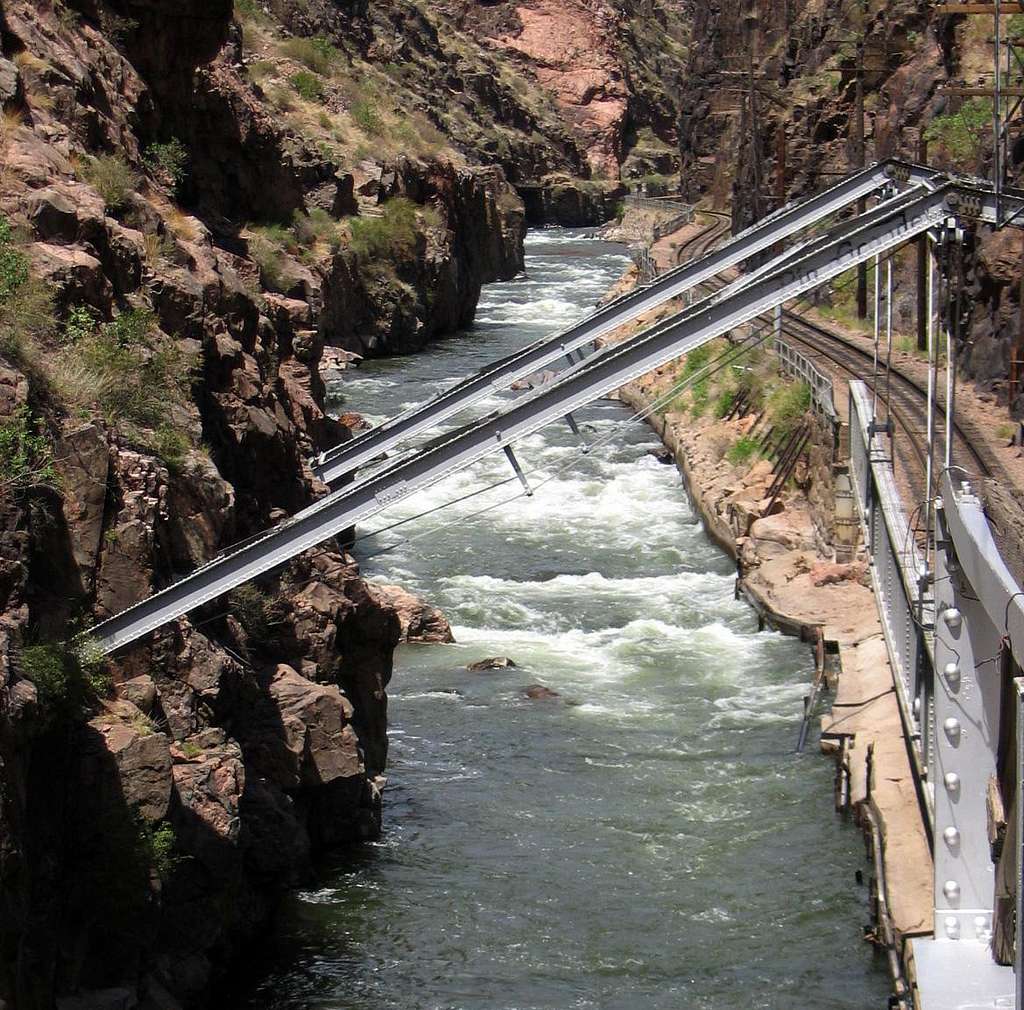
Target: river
[{"x": 646, "y": 840}]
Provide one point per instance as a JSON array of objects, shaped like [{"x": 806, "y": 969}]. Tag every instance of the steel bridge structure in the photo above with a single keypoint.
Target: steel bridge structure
[{"x": 945, "y": 608}]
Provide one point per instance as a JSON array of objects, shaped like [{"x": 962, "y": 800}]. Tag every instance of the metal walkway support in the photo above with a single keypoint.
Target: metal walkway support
[
  {"x": 613, "y": 366},
  {"x": 945, "y": 642},
  {"x": 979, "y": 614},
  {"x": 333, "y": 465}
]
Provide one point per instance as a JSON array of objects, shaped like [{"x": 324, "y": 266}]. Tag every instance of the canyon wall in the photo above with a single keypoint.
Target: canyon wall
[
  {"x": 203, "y": 207},
  {"x": 173, "y": 259},
  {"x": 801, "y": 130}
]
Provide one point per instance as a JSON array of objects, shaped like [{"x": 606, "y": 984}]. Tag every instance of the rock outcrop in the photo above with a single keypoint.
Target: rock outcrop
[{"x": 160, "y": 397}]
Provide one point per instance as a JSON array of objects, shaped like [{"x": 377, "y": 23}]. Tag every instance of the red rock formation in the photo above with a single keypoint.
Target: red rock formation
[{"x": 573, "y": 49}]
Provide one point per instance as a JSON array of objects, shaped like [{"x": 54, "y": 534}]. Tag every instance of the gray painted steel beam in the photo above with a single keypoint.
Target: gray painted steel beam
[
  {"x": 596, "y": 377},
  {"x": 334, "y": 464}
]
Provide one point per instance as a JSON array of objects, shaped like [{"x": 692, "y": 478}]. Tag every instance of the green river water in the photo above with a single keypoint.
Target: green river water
[{"x": 648, "y": 840}]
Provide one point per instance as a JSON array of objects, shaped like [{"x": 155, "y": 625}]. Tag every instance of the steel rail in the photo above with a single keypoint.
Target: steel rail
[
  {"x": 596, "y": 377},
  {"x": 333, "y": 465}
]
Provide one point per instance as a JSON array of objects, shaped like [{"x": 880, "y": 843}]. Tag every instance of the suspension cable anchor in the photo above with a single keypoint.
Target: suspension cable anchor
[{"x": 519, "y": 471}]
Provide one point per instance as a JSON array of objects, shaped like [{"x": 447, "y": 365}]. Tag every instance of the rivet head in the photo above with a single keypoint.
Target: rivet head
[
  {"x": 952, "y": 781},
  {"x": 980, "y": 922},
  {"x": 952, "y": 836},
  {"x": 952, "y": 927},
  {"x": 953, "y": 618},
  {"x": 952, "y": 674},
  {"x": 952, "y": 728},
  {"x": 951, "y": 889}
]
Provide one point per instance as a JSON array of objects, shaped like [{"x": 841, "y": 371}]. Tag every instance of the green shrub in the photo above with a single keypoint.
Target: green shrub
[
  {"x": 168, "y": 160},
  {"x": 962, "y": 134},
  {"x": 700, "y": 394},
  {"x": 172, "y": 446},
  {"x": 127, "y": 368},
  {"x": 92, "y": 664},
  {"x": 14, "y": 272},
  {"x": 724, "y": 403},
  {"x": 308, "y": 86},
  {"x": 26, "y": 303},
  {"x": 743, "y": 450},
  {"x": 79, "y": 325},
  {"x": 132, "y": 328},
  {"x": 316, "y": 53},
  {"x": 249, "y": 9},
  {"x": 47, "y": 667},
  {"x": 393, "y": 233},
  {"x": 788, "y": 405},
  {"x": 366, "y": 117},
  {"x": 316, "y": 226},
  {"x": 257, "y": 613},
  {"x": 26, "y": 457},
  {"x": 281, "y": 98},
  {"x": 697, "y": 360},
  {"x": 158, "y": 845},
  {"x": 113, "y": 178},
  {"x": 269, "y": 257},
  {"x": 67, "y": 677},
  {"x": 116, "y": 28}
]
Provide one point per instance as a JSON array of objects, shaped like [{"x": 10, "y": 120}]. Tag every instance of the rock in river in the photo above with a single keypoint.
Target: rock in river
[
  {"x": 538, "y": 692},
  {"x": 493, "y": 663}
]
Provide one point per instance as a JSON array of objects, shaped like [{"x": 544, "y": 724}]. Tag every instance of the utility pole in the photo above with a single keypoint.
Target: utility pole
[
  {"x": 780, "y": 164},
  {"x": 922, "y": 264},
  {"x": 754, "y": 125},
  {"x": 858, "y": 152},
  {"x": 1004, "y": 111}
]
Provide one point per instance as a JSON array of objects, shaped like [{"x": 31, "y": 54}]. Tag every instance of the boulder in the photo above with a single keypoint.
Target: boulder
[
  {"x": 538, "y": 692},
  {"x": 419, "y": 621},
  {"x": 83, "y": 462},
  {"x": 10, "y": 83},
  {"x": 140, "y": 755},
  {"x": 316, "y": 744},
  {"x": 493, "y": 663},
  {"x": 209, "y": 778},
  {"x": 53, "y": 215},
  {"x": 78, "y": 276},
  {"x": 140, "y": 691},
  {"x": 828, "y": 573}
]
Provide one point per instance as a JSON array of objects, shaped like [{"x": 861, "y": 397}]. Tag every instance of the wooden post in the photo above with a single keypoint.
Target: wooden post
[
  {"x": 780, "y": 164},
  {"x": 1017, "y": 348}
]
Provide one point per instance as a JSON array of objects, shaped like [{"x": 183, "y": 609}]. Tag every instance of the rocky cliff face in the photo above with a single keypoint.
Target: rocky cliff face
[
  {"x": 173, "y": 258},
  {"x": 807, "y": 58},
  {"x": 573, "y": 97}
]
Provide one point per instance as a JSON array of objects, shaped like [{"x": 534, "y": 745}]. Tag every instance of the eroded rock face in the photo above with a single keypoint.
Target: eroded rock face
[
  {"x": 147, "y": 830},
  {"x": 573, "y": 48},
  {"x": 418, "y": 620}
]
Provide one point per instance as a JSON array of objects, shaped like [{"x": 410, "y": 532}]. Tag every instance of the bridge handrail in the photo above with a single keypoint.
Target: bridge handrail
[
  {"x": 794, "y": 362},
  {"x": 906, "y": 612}
]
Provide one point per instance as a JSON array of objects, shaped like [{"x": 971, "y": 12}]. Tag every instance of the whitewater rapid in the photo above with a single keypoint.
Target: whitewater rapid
[{"x": 646, "y": 840}]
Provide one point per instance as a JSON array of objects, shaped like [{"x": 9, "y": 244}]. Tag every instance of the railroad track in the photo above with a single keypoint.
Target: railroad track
[
  {"x": 704, "y": 240},
  {"x": 905, "y": 396},
  {"x": 907, "y": 400}
]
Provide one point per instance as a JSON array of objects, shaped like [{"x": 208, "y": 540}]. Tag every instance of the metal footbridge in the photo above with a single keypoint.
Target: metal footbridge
[{"x": 912, "y": 200}]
